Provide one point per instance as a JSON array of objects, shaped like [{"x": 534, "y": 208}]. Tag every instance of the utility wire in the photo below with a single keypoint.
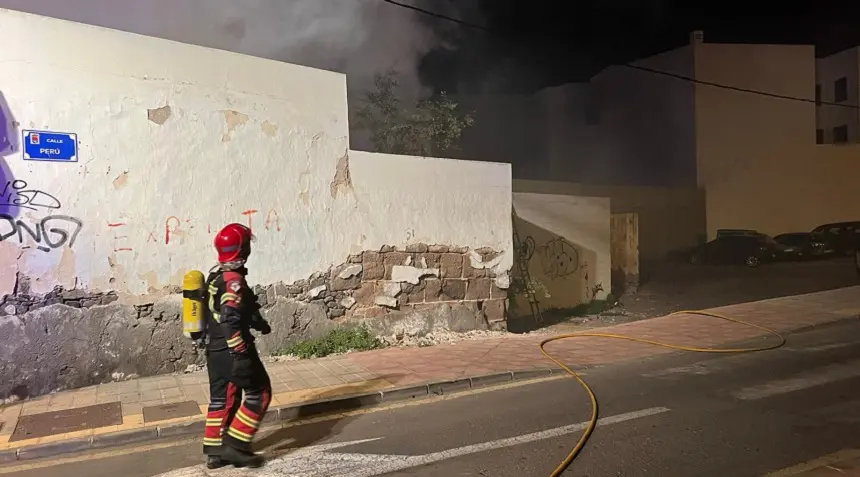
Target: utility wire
[
  {"x": 642, "y": 68},
  {"x": 439, "y": 16}
]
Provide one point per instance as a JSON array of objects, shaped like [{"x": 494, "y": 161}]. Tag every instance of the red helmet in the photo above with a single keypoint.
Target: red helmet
[{"x": 233, "y": 243}]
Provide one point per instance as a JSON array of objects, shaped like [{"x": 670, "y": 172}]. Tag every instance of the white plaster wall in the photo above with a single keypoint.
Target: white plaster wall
[
  {"x": 583, "y": 221},
  {"x": 247, "y": 140},
  {"x": 405, "y": 199}
]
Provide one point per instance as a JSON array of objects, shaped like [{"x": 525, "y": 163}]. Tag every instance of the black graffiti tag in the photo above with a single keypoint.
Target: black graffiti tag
[
  {"x": 51, "y": 232},
  {"x": 16, "y": 194},
  {"x": 559, "y": 258},
  {"x": 526, "y": 249}
]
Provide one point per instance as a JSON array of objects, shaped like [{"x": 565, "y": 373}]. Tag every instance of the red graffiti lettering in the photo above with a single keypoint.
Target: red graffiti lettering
[
  {"x": 117, "y": 238},
  {"x": 273, "y": 218},
  {"x": 248, "y": 213},
  {"x": 168, "y": 230}
]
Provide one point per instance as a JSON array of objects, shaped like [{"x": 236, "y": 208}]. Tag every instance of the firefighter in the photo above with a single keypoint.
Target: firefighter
[{"x": 234, "y": 366}]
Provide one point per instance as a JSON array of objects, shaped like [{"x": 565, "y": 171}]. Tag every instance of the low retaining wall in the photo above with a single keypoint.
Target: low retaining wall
[{"x": 69, "y": 338}]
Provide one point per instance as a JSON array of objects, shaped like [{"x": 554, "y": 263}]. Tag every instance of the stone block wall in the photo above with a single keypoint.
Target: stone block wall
[
  {"x": 22, "y": 300},
  {"x": 375, "y": 284},
  {"x": 70, "y": 338}
]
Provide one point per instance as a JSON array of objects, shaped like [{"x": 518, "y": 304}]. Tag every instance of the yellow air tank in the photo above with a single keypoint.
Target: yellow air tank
[{"x": 193, "y": 303}]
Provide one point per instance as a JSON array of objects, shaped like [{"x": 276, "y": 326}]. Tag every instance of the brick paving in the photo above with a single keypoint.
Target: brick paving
[
  {"x": 470, "y": 358},
  {"x": 299, "y": 381}
]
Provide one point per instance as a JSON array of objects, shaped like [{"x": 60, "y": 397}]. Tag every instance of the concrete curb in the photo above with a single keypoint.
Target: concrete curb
[
  {"x": 835, "y": 323},
  {"x": 303, "y": 410}
]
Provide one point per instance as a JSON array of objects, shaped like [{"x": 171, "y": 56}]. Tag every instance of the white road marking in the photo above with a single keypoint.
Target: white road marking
[
  {"x": 822, "y": 461},
  {"x": 806, "y": 380},
  {"x": 723, "y": 363},
  {"x": 698, "y": 369},
  {"x": 137, "y": 449},
  {"x": 316, "y": 461},
  {"x": 706, "y": 367},
  {"x": 815, "y": 349}
]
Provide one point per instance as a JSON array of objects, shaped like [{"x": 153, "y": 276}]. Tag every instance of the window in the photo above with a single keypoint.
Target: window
[
  {"x": 818, "y": 94},
  {"x": 840, "y": 134},
  {"x": 840, "y": 89},
  {"x": 819, "y": 136}
]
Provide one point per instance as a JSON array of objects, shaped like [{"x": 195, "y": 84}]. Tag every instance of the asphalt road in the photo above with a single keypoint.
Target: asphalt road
[{"x": 680, "y": 415}]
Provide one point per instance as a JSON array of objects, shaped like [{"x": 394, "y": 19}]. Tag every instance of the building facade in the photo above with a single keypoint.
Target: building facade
[
  {"x": 837, "y": 94},
  {"x": 736, "y": 120}
]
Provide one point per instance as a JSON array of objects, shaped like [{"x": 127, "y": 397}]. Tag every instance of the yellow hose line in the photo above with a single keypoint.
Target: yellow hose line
[{"x": 593, "y": 423}]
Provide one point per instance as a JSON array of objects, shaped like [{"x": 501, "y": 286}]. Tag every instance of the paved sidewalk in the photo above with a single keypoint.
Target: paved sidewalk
[{"x": 157, "y": 403}]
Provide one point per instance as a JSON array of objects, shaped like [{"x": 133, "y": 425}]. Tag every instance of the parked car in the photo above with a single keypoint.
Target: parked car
[
  {"x": 730, "y": 232},
  {"x": 797, "y": 246},
  {"x": 840, "y": 237},
  {"x": 751, "y": 250}
]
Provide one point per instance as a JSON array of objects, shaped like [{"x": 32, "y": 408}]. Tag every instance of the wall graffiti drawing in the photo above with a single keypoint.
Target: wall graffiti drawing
[
  {"x": 558, "y": 257},
  {"x": 47, "y": 233},
  {"x": 50, "y": 232},
  {"x": 16, "y": 193},
  {"x": 526, "y": 249}
]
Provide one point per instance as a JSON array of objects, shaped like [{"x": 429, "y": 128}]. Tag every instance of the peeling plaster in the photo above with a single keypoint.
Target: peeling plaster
[
  {"x": 495, "y": 264},
  {"x": 350, "y": 271},
  {"x": 233, "y": 119},
  {"x": 412, "y": 275},
  {"x": 386, "y": 301},
  {"x": 269, "y": 129},
  {"x": 342, "y": 179},
  {"x": 159, "y": 115},
  {"x": 315, "y": 292},
  {"x": 64, "y": 273},
  {"x": 9, "y": 255},
  {"x": 120, "y": 181}
]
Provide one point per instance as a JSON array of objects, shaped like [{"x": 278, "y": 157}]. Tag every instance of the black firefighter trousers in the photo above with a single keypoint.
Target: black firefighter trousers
[{"x": 230, "y": 421}]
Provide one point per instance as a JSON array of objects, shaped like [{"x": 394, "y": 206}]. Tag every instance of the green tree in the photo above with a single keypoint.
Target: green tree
[{"x": 430, "y": 127}]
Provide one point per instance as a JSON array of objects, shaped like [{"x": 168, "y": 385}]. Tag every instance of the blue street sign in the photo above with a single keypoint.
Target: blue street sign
[{"x": 50, "y": 146}]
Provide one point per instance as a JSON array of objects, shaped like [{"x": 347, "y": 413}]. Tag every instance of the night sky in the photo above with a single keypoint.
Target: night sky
[{"x": 558, "y": 42}]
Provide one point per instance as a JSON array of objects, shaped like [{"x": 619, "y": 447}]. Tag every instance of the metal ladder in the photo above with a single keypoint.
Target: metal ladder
[{"x": 523, "y": 268}]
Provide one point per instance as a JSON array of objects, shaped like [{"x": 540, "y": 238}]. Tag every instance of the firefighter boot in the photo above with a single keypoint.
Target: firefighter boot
[
  {"x": 214, "y": 462},
  {"x": 240, "y": 458}
]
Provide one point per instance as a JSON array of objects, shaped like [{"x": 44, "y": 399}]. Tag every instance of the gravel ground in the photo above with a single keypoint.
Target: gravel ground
[{"x": 675, "y": 287}]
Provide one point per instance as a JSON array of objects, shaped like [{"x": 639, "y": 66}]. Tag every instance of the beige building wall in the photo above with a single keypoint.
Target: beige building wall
[{"x": 756, "y": 155}]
